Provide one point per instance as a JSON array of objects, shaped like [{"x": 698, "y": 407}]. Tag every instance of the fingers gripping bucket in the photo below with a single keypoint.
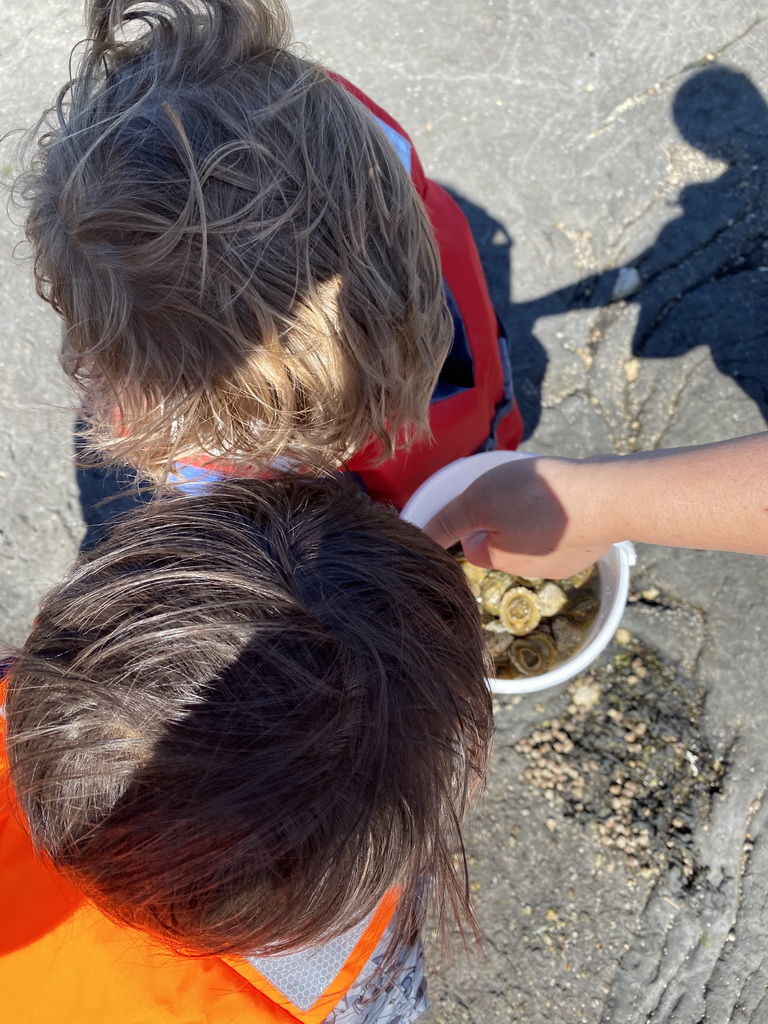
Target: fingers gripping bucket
[{"x": 614, "y": 569}]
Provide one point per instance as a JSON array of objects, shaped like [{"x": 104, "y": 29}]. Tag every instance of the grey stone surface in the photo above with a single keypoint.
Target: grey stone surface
[{"x": 569, "y": 133}]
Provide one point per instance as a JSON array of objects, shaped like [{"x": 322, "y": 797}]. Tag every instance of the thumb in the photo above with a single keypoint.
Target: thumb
[
  {"x": 446, "y": 529},
  {"x": 454, "y": 522},
  {"x": 476, "y": 551}
]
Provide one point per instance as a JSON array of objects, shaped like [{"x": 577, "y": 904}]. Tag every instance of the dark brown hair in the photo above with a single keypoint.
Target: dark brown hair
[
  {"x": 253, "y": 712},
  {"x": 242, "y": 263}
]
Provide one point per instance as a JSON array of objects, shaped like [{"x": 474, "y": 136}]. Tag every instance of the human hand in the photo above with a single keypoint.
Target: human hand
[{"x": 529, "y": 517}]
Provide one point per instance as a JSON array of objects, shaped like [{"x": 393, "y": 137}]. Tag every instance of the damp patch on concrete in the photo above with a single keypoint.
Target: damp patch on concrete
[{"x": 629, "y": 756}]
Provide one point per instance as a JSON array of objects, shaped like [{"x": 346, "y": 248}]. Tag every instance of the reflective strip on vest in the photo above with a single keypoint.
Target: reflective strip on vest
[
  {"x": 303, "y": 977},
  {"x": 328, "y": 966}
]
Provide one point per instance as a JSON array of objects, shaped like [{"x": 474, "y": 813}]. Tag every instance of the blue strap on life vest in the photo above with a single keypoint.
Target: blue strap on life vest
[{"x": 507, "y": 402}]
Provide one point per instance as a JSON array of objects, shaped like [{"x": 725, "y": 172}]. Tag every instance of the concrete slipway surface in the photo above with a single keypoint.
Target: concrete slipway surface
[{"x": 581, "y": 138}]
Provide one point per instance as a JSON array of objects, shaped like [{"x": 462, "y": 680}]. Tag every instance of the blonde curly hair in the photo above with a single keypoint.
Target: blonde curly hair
[{"x": 244, "y": 268}]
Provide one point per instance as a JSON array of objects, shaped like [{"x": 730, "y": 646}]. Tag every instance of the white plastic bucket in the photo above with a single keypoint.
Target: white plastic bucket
[{"x": 614, "y": 567}]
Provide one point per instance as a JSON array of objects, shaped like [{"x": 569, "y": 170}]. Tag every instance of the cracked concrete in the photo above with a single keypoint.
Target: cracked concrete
[{"x": 578, "y": 140}]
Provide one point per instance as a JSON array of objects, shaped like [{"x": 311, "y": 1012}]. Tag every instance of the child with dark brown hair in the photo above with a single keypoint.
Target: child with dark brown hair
[
  {"x": 250, "y": 262},
  {"x": 248, "y": 727}
]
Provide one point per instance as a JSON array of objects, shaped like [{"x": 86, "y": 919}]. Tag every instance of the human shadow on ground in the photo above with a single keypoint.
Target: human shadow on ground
[
  {"x": 704, "y": 281},
  {"x": 706, "y": 276}
]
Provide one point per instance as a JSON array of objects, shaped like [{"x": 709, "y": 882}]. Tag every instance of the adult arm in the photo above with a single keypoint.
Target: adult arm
[{"x": 550, "y": 516}]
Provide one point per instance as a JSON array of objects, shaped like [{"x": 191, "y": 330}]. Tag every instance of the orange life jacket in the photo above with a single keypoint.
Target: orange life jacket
[{"x": 61, "y": 959}]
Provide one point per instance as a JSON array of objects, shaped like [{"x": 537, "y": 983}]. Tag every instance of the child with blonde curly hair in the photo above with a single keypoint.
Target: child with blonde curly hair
[{"x": 250, "y": 263}]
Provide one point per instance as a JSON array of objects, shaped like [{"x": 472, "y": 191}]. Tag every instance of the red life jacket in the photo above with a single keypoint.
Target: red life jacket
[{"x": 464, "y": 420}]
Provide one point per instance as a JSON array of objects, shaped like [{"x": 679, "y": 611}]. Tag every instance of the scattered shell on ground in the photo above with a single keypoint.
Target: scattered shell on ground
[
  {"x": 630, "y": 757},
  {"x": 585, "y": 694},
  {"x": 631, "y": 372}
]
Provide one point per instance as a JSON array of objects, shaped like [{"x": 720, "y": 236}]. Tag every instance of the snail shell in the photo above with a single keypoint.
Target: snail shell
[
  {"x": 493, "y": 588},
  {"x": 532, "y": 655},
  {"x": 579, "y": 578},
  {"x": 519, "y": 611},
  {"x": 475, "y": 576},
  {"x": 567, "y": 635},
  {"x": 552, "y": 599},
  {"x": 582, "y": 608}
]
